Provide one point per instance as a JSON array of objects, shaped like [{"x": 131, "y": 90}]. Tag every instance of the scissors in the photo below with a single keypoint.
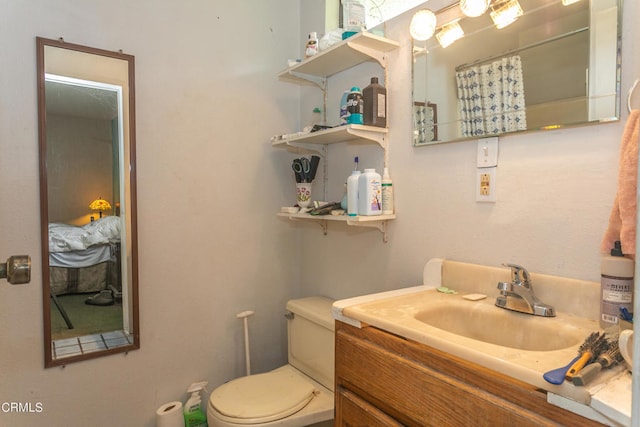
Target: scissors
[{"x": 302, "y": 169}]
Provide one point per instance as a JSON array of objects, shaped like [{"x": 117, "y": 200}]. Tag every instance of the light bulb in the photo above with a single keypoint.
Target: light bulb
[
  {"x": 474, "y": 8},
  {"x": 423, "y": 24}
]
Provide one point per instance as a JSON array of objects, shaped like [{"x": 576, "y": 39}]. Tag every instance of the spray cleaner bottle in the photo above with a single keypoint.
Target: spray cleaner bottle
[{"x": 193, "y": 414}]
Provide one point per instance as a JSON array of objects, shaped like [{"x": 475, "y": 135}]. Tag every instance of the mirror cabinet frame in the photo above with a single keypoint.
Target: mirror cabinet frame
[{"x": 130, "y": 245}]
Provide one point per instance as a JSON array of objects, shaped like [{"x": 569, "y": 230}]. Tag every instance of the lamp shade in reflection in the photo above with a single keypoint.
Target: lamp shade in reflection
[
  {"x": 505, "y": 13},
  {"x": 449, "y": 33},
  {"x": 100, "y": 205},
  {"x": 423, "y": 25}
]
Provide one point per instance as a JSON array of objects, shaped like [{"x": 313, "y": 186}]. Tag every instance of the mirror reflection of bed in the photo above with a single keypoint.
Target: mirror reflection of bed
[
  {"x": 86, "y": 111},
  {"x": 86, "y": 284}
]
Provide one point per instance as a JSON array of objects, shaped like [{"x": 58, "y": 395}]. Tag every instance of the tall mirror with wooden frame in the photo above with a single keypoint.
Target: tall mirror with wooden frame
[{"x": 86, "y": 109}]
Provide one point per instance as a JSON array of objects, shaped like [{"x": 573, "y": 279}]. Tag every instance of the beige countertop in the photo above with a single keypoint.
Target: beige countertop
[{"x": 402, "y": 312}]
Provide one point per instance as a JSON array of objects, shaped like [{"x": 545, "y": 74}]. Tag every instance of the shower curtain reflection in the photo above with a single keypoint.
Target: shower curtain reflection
[{"x": 491, "y": 97}]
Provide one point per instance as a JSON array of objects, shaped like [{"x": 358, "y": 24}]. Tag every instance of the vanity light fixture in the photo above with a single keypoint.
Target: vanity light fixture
[
  {"x": 475, "y": 8},
  {"x": 100, "y": 205},
  {"x": 568, "y": 2},
  {"x": 423, "y": 25},
  {"x": 505, "y": 13},
  {"x": 449, "y": 33}
]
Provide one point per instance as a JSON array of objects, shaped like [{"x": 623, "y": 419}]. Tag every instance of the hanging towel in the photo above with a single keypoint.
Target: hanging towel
[{"x": 622, "y": 221}]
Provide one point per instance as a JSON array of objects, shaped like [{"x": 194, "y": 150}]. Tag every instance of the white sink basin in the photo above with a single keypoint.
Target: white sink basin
[
  {"x": 494, "y": 325},
  {"x": 520, "y": 345}
]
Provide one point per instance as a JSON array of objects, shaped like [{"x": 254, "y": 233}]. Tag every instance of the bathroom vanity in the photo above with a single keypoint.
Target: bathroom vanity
[
  {"x": 385, "y": 380},
  {"x": 422, "y": 356}
]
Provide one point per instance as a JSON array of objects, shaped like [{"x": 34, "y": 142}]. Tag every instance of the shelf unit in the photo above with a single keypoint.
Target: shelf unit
[
  {"x": 379, "y": 221},
  {"x": 340, "y": 134},
  {"x": 357, "y": 49}
]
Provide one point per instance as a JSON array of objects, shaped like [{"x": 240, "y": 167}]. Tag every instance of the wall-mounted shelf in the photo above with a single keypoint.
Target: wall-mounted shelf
[
  {"x": 355, "y": 50},
  {"x": 378, "y": 221},
  {"x": 339, "y": 134}
]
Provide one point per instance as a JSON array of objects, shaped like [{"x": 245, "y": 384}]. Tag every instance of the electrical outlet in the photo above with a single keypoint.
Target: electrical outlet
[{"x": 486, "y": 184}]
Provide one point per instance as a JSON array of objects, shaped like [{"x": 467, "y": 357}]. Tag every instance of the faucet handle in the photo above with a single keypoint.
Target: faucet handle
[{"x": 519, "y": 274}]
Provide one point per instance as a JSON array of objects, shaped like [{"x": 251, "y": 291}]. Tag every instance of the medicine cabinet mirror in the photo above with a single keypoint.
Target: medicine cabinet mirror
[
  {"x": 86, "y": 109},
  {"x": 562, "y": 62}
]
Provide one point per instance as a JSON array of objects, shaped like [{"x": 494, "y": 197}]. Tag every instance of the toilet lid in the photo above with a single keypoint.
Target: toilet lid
[{"x": 262, "y": 398}]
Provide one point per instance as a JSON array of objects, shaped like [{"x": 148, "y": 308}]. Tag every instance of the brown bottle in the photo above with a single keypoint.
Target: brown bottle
[{"x": 375, "y": 104}]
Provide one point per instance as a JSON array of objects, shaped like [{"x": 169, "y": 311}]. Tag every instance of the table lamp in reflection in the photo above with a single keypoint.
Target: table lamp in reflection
[{"x": 99, "y": 205}]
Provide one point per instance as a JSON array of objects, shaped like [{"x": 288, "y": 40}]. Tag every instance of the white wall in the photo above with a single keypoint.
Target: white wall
[
  {"x": 554, "y": 194},
  {"x": 209, "y": 185}
]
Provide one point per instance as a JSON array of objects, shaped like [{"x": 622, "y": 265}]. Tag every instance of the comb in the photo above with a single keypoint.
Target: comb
[{"x": 589, "y": 351}]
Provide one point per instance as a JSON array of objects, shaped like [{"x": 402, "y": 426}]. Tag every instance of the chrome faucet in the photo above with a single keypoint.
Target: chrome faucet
[{"x": 518, "y": 295}]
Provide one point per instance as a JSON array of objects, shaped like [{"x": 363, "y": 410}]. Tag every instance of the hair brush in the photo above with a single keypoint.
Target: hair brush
[
  {"x": 606, "y": 360},
  {"x": 590, "y": 349}
]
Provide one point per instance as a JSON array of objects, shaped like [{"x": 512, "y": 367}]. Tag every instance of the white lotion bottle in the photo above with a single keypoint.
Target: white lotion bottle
[
  {"x": 616, "y": 286},
  {"x": 352, "y": 193},
  {"x": 370, "y": 193},
  {"x": 387, "y": 193}
]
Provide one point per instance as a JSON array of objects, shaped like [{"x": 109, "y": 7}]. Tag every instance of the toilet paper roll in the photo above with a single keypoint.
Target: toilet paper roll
[{"x": 170, "y": 415}]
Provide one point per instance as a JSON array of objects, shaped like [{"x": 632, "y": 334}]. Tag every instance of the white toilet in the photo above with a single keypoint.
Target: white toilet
[{"x": 297, "y": 394}]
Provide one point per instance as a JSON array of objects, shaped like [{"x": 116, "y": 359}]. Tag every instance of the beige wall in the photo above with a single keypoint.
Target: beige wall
[
  {"x": 210, "y": 244},
  {"x": 209, "y": 185}
]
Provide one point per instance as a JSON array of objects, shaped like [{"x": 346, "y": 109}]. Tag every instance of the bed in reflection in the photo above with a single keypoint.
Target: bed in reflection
[{"x": 85, "y": 260}]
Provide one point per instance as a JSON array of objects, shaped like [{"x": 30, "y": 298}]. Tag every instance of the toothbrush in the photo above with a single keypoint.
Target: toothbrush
[{"x": 355, "y": 160}]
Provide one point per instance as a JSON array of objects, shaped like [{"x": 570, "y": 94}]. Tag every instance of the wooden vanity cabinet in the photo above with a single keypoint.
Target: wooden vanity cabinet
[{"x": 386, "y": 380}]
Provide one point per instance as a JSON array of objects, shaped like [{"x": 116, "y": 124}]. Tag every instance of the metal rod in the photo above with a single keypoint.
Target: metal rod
[
  {"x": 520, "y": 49},
  {"x": 244, "y": 315}
]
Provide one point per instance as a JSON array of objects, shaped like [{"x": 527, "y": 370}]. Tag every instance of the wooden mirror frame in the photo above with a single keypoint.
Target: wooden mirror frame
[{"x": 130, "y": 259}]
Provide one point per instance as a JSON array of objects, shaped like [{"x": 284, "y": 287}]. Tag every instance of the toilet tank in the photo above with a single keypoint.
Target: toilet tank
[{"x": 311, "y": 342}]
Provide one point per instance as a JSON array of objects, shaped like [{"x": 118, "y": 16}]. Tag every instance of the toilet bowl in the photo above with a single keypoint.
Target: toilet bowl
[{"x": 294, "y": 395}]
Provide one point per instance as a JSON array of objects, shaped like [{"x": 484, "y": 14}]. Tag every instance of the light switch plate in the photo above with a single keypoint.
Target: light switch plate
[{"x": 487, "y": 152}]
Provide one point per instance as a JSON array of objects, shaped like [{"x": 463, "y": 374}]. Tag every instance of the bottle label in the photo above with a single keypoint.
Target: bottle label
[
  {"x": 617, "y": 292},
  {"x": 387, "y": 198},
  {"x": 382, "y": 108},
  {"x": 376, "y": 195}
]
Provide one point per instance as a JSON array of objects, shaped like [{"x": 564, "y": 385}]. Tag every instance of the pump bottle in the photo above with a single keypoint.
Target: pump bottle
[{"x": 616, "y": 286}]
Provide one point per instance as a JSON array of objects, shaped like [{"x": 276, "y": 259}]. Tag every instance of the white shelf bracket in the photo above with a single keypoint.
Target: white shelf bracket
[
  {"x": 380, "y": 225},
  {"x": 378, "y": 138},
  {"x": 321, "y": 82},
  {"x": 372, "y": 53}
]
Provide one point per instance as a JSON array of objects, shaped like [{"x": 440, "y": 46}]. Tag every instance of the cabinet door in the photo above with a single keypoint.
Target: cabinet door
[{"x": 355, "y": 412}]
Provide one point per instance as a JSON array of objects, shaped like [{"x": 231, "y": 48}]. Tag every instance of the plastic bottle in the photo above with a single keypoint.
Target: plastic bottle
[
  {"x": 353, "y": 17},
  {"x": 312, "y": 45},
  {"x": 193, "y": 415},
  {"x": 352, "y": 193},
  {"x": 375, "y": 104},
  {"x": 616, "y": 286},
  {"x": 355, "y": 106},
  {"x": 387, "y": 193},
  {"x": 344, "y": 114},
  {"x": 345, "y": 199},
  {"x": 369, "y": 193}
]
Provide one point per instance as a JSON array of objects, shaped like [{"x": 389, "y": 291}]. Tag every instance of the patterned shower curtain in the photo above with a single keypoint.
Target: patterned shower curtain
[{"x": 491, "y": 97}]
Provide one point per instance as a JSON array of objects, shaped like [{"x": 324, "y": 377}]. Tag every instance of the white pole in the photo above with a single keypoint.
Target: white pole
[{"x": 244, "y": 315}]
